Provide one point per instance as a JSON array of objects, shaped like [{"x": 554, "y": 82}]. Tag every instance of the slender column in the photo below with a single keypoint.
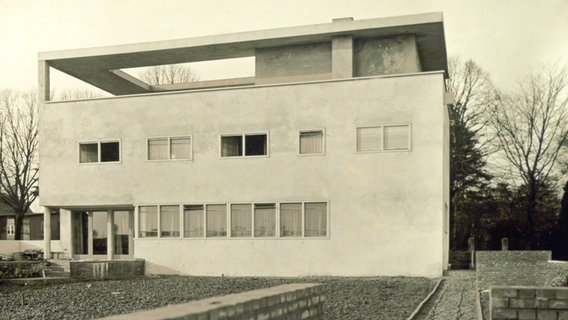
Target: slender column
[
  {"x": 342, "y": 57},
  {"x": 46, "y": 233},
  {"x": 110, "y": 235},
  {"x": 43, "y": 85}
]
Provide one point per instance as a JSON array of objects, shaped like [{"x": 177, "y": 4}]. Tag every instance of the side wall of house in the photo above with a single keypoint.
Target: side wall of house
[{"x": 386, "y": 209}]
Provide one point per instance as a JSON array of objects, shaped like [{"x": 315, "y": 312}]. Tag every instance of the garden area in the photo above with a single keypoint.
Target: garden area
[{"x": 346, "y": 298}]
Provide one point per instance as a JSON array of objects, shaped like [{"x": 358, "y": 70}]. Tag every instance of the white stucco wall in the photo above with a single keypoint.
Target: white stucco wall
[{"x": 386, "y": 209}]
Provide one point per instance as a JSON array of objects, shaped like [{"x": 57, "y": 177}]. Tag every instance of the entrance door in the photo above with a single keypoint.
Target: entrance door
[{"x": 91, "y": 233}]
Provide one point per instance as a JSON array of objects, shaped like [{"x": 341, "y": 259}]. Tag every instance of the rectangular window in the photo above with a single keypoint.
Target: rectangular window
[
  {"x": 256, "y": 145},
  {"x": 89, "y": 152},
  {"x": 248, "y": 145},
  {"x": 291, "y": 220},
  {"x": 383, "y": 138},
  {"x": 397, "y": 137},
  {"x": 169, "y": 221},
  {"x": 158, "y": 149},
  {"x": 216, "y": 215},
  {"x": 174, "y": 148},
  {"x": 180, "y": 148},
  {"x": 148, "y": 224},
  {"x": 315, "y": 216},
  {"x": 231, "y": 146},
  {"x": 369, "y": 139},
  {"x": 55, "y": 226},
  {"x": 95, "y": 152},
  {"x": 110, "y": 151},
  {"x": 265, "y": 220},
  {"x": 241, "y": 220},
  {"x": 311, "y": 142},
  {"x": 193, "y": 221}
]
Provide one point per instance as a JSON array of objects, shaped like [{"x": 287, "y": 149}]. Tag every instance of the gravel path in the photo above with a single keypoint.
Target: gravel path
[
  {"x": 388, "y": 298},
  {"x": 454, "y": 300}
]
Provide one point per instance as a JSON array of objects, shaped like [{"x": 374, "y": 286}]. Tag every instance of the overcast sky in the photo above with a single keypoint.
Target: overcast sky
[{"x": 505, "y": 37}]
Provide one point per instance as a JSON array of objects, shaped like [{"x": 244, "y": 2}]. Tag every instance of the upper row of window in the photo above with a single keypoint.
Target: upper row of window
[{"x": 368, "y": 139}]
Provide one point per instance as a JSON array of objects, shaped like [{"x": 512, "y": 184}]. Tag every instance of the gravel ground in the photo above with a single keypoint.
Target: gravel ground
[
  {"x": 347, "y": 298},
  {"x": 455, "y": 299}
]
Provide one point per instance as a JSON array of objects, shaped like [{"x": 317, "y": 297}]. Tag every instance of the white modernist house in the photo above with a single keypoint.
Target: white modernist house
[{"x": 331, "y": 160}]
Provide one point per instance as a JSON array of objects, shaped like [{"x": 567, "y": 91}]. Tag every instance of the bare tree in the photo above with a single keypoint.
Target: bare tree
[
  {"x": 18, "y": 153},
  {"x": 473, "y": 93},
  {"x": 531, "y": 126},
  {"x": 168, "y": 74},
  {"x": 78, "y": 94}
]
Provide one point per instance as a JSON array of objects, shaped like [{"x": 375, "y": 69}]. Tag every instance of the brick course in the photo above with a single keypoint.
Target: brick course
[
  {"x": 290, "y": 301},
  {"x": 529, "y": 303}
]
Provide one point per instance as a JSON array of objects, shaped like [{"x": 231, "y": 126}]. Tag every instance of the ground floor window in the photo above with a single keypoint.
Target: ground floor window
[
  {"x": 148, "y": 221},
  {"x": 169, "y": 221},
  {"x": 216, "y": 220},
  {"x": 237, "y": 220},
  {"x": 55, "y": 225},
  {"x": 193, "y": 221}
]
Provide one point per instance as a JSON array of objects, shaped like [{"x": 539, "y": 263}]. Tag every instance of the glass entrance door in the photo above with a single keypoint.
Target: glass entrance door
[{"x": 91, "y": 233}]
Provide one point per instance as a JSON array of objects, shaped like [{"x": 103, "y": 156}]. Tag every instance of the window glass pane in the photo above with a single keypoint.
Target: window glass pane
[
  {"x": 110, "y": 151},
  {"x": 180, "y": 148},
  {"x": 99, "y": 232},
  {"x": 316, "y": 219},
  {"x": 216, "y": 220},
  {"x": 255, "y": 145},
  {"x": 231, "y": 146},
  {"x": 169, "y": 221},
  {"x": 121, "y": 224},
  {"x": 193, "y": 221},
  {"x": 158, "y": 149},
  {"x": 397, "y": 137},
  {"x": 148, "y": 221},
  {"x": 35, "y": 227},
  {"x": 55, "y": 227},
  {"x": 89, "y": 152},
  {"x": 311, "y": 142},
  {"x": 241, "y": 220},
  {"x": 291, "y": 220},
  {"x": 264, "y": 220},
  {"x": 369, "y": 139}
]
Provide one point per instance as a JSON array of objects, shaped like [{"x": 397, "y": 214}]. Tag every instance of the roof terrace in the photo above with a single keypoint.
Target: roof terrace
[{"x": 343, "y": 48}]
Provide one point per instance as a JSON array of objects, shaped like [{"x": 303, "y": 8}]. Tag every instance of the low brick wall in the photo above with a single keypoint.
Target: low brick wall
[
  {"x": 529, "y": 303},
  {"x": 21, "y": 269},
  {"x": 516, "y": 268},
  {"x": 290, "y": 301},
  {"x": 106, "y": 269}
]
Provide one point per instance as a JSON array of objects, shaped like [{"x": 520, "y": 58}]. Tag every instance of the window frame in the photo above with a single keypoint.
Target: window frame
[
  {"x": 169, "y": 148},
  {"x": 243, "y": 143},
  {"x": 303, "y": 220},
  {"x": 228, "y": 221},
  {"x": 98, "y": 143},
  {"x": 203, "y": 218},
  {"x": 159, "y": 220},
  {"x": 323, "y": 142},
  {"x": 382, "y": 141}
]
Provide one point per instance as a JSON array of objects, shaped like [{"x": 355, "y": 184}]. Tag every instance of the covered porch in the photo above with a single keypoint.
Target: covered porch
[{"x": 91, "y": 232}]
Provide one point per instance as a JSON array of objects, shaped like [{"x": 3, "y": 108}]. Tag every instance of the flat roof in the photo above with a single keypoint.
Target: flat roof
[{"x": 99, "y": 66}]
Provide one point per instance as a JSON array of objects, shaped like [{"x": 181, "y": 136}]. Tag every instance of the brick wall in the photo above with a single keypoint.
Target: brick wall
[
  {"x": 107, "y": 269},
  {"x": 21, "y": 269},
  {"x": 529, "y": 303},
  {"x": 516, "y": 268},
  {"x": 290, "y": 301}
]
